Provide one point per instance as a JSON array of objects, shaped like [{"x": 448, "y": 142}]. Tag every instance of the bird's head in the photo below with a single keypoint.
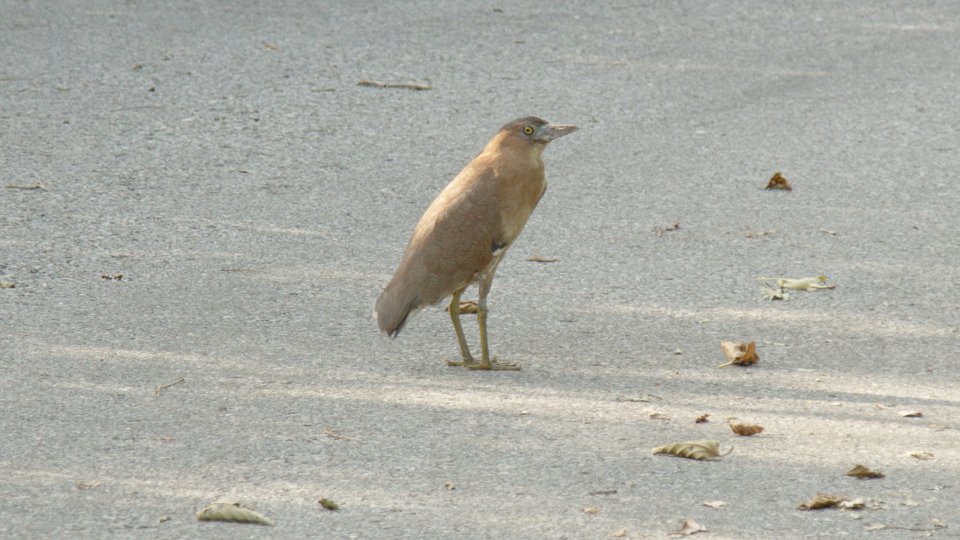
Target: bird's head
[{"x": 536, "y": 130}]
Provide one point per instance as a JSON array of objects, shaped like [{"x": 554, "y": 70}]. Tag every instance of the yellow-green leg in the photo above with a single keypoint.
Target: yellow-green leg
[
  {"x": 454, "y": 309},
  {"x": 485, "y": 361}
]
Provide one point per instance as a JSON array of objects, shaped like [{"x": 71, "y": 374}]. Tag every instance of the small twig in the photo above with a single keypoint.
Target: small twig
[
  {"x": 334, "y": 435},
  {"x": 163, "y": 387},
  {"x": 37, "y": 186},
  {"x": 408, "y": 86}
]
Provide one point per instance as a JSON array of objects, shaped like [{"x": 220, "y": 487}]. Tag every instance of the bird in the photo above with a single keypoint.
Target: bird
[{"x": 466, "y": 231}]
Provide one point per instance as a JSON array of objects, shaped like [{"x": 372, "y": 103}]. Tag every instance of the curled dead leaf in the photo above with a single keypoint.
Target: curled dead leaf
[
  {"x": 822, "y": 500},
  {"x": 698, "y": 450},
  {"x": 777, "y": 181},
  {"x": 911, "y": 414},
  {"x": 232, "y": 511},
  {"x": 705, "y": 417},
  {"x": 688, "y": 527},
  {"x": 863, "y": 473},
  {"x": 745, "y": 430},
  {"x": 740, "y": 354}
]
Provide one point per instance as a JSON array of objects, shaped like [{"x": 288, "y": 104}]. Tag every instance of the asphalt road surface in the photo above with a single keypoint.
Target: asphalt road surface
[{"x": 216, "y": 204}]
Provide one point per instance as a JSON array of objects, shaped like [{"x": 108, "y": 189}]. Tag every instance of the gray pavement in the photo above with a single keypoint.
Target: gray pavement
[{"x": 221, "y": 157}]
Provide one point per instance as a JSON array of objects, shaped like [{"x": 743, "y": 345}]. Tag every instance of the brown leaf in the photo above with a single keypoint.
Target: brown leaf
[
  {"x": 688, "y": 527},
  {"x": 698, "y": 450},
  {"x": 672, "y": 227},
  {"x": 822, "y": 500},
  {"x": 539, "y": 259},
  {"x": 88, "y": 485},
  {"x": 777, "y": 181},
  {"x": 861, "y": 472},
  {"x": 745, "y": 429},
  {"x": 702, "y": 418},
  {"x": 740, "y": 354},
  {"x": 911, "y": 414}
]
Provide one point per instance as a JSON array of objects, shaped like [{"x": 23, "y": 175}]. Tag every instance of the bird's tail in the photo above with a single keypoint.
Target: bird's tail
[{"x": 393, "y": 308}]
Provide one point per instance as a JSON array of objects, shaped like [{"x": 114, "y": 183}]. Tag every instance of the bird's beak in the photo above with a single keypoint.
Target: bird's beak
[{"x": 555, "y": 131}]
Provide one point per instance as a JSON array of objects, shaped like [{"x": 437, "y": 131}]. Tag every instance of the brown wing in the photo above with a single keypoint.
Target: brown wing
[{"x": 451, "y": 244}]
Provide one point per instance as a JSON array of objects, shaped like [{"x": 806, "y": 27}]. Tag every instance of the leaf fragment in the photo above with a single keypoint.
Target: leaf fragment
[
  {"x": 777, "y": 181},
  {"x": 408, "y": 86},
  {"x": 745, "y": 430},
  {"x": 88, "y": 485},
  {"x": 7, "y": 284},
  {"x": 699, "y": 450},
  {"x": 822, "y": 500},
  {"x": 863, "y": 473},
  {"x": 591, "y": 510},
  {"x": 688, "y": 527},
  {"x": 808, "y": 284},
  {"x": 232, "y": 511},
  {"x": 619, "y": 533},
  {"x": 911, "y": 414},
  {"x": 539, "y": 259},
  {"x": 328, "y": 504},
  {"x": 741, "y": 354},
  {"x": 705, "y": 417},
  {"x": 715, "y": 504},
  {"x": 921, "y": 455}
]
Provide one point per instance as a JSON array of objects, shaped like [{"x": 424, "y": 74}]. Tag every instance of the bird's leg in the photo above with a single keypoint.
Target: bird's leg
[
  {"x": 485, "y": 361},
  {"x": 454, "y": 309}
]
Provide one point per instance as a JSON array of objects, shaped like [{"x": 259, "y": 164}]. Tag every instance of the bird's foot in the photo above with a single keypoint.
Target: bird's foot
[
  {"x": 493, "y": 366},
  {"x": 466, "y": 362}
]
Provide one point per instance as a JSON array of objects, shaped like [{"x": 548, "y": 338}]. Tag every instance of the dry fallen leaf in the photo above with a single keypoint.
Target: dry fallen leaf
[
  {"x": 741, "y": 354},
  {"x": 672, "y": 227},
  {"x": 715, "y": 504},
  {"x": 702, "y": 418},
  {"x": 861, "y": 472},
  {"x": 659, "y": 416},
  {"x": 591, "y": 510},
  {"x": 745, "y": 429},
  {"x": 232, "y": 511},
  {"x": 408, "y": 86},
  {"x": 327, "y": 504},
  {"x": 800, "y": 284},
  {"x": 921, "y": 455},
  {"x": 856, "y": 504},
  {"x": 777, "y": 181},
  {"x": 88, "y": 485},
  {"x": 822, "y": 500},
  {"x": 699, "y": 450},
  {"x": 910, "y": 414},
  {"x": 7, "y": 284},
  {"x": 619, "y": 533},
  {"x": 688, "y": 527},
  {"x": 539, "y": 259}
]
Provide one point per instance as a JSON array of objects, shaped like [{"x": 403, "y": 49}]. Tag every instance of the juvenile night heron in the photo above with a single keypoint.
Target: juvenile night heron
[{"x": 466, "y": 231}]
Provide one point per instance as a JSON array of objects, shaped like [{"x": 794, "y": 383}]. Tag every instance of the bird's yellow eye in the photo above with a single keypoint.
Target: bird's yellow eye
[{"x": 527, "y": 130}]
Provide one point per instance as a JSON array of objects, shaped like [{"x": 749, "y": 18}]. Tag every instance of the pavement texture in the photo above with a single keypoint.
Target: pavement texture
[{"x": 222, "y": 158}]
